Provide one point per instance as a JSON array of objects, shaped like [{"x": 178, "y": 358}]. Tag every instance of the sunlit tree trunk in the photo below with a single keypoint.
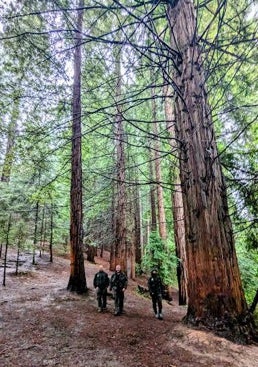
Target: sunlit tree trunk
[
  {"x": 177, "y": 201},
  {"x": 215, "y": 293},
  {"x": 77, "y": 280}
]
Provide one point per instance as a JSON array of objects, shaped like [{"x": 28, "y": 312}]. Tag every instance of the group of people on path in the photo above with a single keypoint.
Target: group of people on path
[{"x": 118, "y": 284}]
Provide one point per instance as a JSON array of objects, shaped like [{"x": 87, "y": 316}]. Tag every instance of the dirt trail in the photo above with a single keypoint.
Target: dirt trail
[{"x": 41, "y": 324}]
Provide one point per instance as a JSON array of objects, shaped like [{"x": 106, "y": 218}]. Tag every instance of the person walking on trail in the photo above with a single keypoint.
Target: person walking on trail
[
  {"x": 155, "y": 288},
  {"x": 118, "y": 284},
  {"x": 101, "y": 283}
]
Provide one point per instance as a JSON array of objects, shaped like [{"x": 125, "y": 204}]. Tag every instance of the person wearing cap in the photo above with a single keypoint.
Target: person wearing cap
[
  {"x": 118, "y": 284},
  {"x": 155, "y": 288},
  {"x": 101, "y": 283}
]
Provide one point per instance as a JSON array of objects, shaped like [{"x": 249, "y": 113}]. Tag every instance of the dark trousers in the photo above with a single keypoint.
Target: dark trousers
[
  {"x": 156, "y": 301},
  {"x": 102, "y": 298},
  {"x": 119, "y": 300}
]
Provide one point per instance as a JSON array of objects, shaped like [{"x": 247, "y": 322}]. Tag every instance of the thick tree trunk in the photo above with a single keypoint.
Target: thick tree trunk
[
  {"x": 77, "y": 281},
  {"x": 215, "y": 294}
]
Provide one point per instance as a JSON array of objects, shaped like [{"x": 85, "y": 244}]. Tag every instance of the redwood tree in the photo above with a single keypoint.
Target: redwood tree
[
  {"x": 215, "y": 294},
  {"x": 77, "y": 280},
  {"x": 118, "y": 253}
]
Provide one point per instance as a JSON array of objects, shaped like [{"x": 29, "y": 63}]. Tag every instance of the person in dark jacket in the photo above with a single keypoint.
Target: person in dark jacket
[
  {"x": 101, "y": 283},
  {"x": 118, "y": 284},
  {"x": 155, "y": 289}
]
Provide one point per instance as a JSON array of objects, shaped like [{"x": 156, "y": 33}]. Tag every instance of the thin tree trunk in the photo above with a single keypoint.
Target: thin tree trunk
[
  {"x": 6, "y": 248},
  {"x": 152, "y": 198},
  {"x": 215, "y": 292},
  {"x": 51, "y": 232},
  {"x": 137, "y": 225},
  {"x": 158, "y": 178},
  {"x": 120, "y": 255},
  {"x": 17, "y": 258},
  {"x": 177, "y": 203},
  {"x": 42, "y": 233},
  {"x": 35, "y": 233},
  {"x": 77, "y": 280}
]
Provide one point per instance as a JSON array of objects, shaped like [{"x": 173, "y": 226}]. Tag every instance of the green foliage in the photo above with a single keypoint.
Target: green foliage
[
  {"x": 248, "y": 260},
  {"x": 159, "y": 255}
]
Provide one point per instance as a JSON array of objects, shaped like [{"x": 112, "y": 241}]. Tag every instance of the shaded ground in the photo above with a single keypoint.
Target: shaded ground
[{"x": 41, "y": 324}]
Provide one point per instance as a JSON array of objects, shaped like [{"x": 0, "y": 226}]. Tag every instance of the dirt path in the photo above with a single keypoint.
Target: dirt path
[{"x": 41, "y": 324}]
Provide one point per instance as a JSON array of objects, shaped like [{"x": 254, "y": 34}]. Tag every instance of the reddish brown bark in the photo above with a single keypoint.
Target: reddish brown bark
[
  {"x": 77, "y": 280},
  {"x": 215, "y": 293}
]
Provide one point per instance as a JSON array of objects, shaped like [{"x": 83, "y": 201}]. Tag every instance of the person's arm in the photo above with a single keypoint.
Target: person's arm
[
  {"x": 111, "y": 282},
  {"x": 107, "y": 281},
  {"x": 125, "y": 283},
  {"x": 95, "y": 281}
]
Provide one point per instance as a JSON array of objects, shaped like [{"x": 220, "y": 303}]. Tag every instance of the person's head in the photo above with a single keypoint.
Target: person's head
[
  {"x": 154, "y": 272},
  {"x": 101, "y": 268},
  {"x": 118, "y": 268}
]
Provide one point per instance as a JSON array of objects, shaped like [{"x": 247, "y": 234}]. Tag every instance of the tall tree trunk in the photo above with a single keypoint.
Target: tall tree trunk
[
  {"x": 35, "y": 236},
  {"x": 6, "y": 247},
  {"x": 120, "y": 256},
  {"x": 153, "y": 223},
  {"x": 51, "y": 232},
  {"x": 158, "y": 178},
  {"x": 137, "y": 224},
  {"x": 77, "y": 280},
  {"x": 215, "y": 294},
  {"x": 42, "y": 233},
  {"x": 177, "y": 203}
]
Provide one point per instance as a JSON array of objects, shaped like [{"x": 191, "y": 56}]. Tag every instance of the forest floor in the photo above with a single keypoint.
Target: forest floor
[{"x": 42, "y": 324}]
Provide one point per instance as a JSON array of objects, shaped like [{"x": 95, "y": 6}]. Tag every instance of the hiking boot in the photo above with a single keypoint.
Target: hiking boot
[
  {"x": 160, "y": 316},
  {"x": 99, "y": 310},
  {"x": 156, "y": 315}
]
